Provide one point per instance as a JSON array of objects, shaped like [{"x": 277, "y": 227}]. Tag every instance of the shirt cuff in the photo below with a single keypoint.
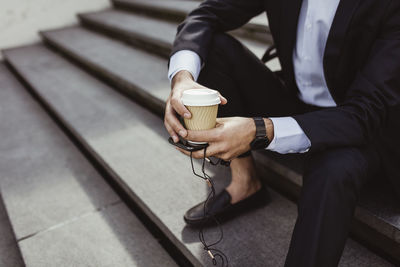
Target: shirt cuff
[
  {"x": 288, "y": 137},
  {"x": 184, "y": 60}
]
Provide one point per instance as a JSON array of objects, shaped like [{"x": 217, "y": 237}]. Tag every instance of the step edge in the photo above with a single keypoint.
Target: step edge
[
  {"x": 149, "y": 44},
  {"x": 17, "y": 244},
  {"x": 132, "y": 91},
  {"x": 295, "y": 178},
  {"x": 99, "y": 160},
  {"x": 178, "y": 16},
  {"x": 156, "y": 11},
  {"x": 141, "y": 41}
]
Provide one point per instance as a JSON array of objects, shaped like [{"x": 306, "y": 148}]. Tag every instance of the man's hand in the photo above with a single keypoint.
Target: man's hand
[
  {"x": 182, "y": 81},
  {"x": 230, "y": 138}
]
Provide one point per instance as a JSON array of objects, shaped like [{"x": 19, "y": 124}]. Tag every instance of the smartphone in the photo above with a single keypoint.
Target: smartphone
[{"x": 183, "y": 144}]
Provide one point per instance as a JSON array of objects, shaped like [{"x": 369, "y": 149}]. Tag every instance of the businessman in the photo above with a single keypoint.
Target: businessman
[{"x": 337, "y": 99}]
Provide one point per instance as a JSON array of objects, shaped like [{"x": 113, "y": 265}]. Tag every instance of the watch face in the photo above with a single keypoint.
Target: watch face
[{"x": 259, "y": 143}]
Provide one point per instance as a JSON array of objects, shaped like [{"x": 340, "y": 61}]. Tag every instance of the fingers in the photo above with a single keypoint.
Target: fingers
[
  {"x": 212, "y": 150},
  {"x": 187, "y": 153},
  {"x": 171, "y": 132},
  {"x": 176, "y": 126},
  {"x": 179, "y": 107},
  {"x": 172, "y": 124},
  {"x": 204, "y": 135},
  {"x": 223, "y": 99},
  {"x": 211, "y": 135}
]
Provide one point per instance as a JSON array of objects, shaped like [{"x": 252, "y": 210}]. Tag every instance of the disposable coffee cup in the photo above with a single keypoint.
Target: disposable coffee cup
[{"x": 203, "y": 105}]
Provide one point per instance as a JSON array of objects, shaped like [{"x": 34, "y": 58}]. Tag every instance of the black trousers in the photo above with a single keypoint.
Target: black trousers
[{"x": 332, "y": 179}]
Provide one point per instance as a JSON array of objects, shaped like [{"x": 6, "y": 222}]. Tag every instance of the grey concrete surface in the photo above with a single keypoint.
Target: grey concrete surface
[
  {"x": 132, "y": 141},
  {"x": 150, "y": 30},
  {"x": 110, "y": 237},
  {"x": 9, "y": 250},
  {"x": 178, "y": 8},
  {"x": 355, "y": 255},
  {"x": 45, "y": 179},
  {"x": 104, "y": 54},
  {"x": 257, "y": 28},
  {"x": 47, "y": 184},
  {"x": 137, "y": 25},
  {"x": 21, "y": 20},
  {"x": 378, "y": 205}
]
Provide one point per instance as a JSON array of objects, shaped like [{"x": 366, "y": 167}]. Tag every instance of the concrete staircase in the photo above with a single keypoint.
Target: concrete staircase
[{"x": 88, "y": 178}]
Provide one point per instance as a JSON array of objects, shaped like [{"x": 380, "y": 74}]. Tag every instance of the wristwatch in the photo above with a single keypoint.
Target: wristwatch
[{"x": 261, "y": 140}]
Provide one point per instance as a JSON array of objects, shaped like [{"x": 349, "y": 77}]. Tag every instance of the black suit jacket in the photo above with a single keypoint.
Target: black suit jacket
[{"x": 361, "y": 66}]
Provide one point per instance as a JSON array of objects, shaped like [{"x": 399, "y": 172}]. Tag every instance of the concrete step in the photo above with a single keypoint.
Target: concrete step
[
  {"x": 131, "y": 78},
  {"x": 376, "y": 222},
  {"x": 377, "y": 217},
  {"x": 61, "y": 210},
  {"x": 176, "y": 10},
  {"x": 10, "y": 254},
  {"x": 153, "y": 34},
  {"x": 131, "y": 142}
]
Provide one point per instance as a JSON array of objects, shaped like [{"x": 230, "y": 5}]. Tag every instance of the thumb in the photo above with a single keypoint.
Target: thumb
[{"x": 223, "y": 99}]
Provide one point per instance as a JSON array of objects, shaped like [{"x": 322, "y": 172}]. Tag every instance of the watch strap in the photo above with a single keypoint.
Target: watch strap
[{"x": 260, "y": 127}]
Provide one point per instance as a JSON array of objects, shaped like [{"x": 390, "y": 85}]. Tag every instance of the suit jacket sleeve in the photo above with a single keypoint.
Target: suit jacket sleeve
[
  {"x": 374, "y": 92},
  {"x": 196, "y": 31}
]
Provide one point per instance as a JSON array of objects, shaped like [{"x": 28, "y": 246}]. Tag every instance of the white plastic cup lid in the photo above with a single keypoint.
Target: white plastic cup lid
[{"x": 200, "y": 97}]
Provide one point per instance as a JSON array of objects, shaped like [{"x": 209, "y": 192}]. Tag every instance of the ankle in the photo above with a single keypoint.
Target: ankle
[
  {"x": 242, "y": 170},
  {"x": 240, "y": 191}
]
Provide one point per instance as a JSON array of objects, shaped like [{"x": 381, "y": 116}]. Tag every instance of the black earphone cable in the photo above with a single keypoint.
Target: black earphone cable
[{"x": 212, "y": 252}]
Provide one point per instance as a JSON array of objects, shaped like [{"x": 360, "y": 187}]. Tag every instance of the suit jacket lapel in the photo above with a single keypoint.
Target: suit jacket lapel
[
  {"x": 336, "y": 38},
  {"x": 288, "y": 21}
]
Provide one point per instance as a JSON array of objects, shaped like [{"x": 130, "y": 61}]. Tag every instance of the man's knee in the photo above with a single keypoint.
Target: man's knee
[{"x": 337, "y": 171}]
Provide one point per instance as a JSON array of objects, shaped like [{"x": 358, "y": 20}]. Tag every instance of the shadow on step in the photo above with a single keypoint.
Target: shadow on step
[{"x": 9, "y": 251}]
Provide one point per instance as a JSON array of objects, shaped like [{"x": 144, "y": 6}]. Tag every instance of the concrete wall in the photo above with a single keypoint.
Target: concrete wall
[{"x": 20, "y": 20}]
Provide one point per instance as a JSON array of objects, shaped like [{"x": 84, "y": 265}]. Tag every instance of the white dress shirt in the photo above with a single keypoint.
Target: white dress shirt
[{"x": 315, "y": 21}]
